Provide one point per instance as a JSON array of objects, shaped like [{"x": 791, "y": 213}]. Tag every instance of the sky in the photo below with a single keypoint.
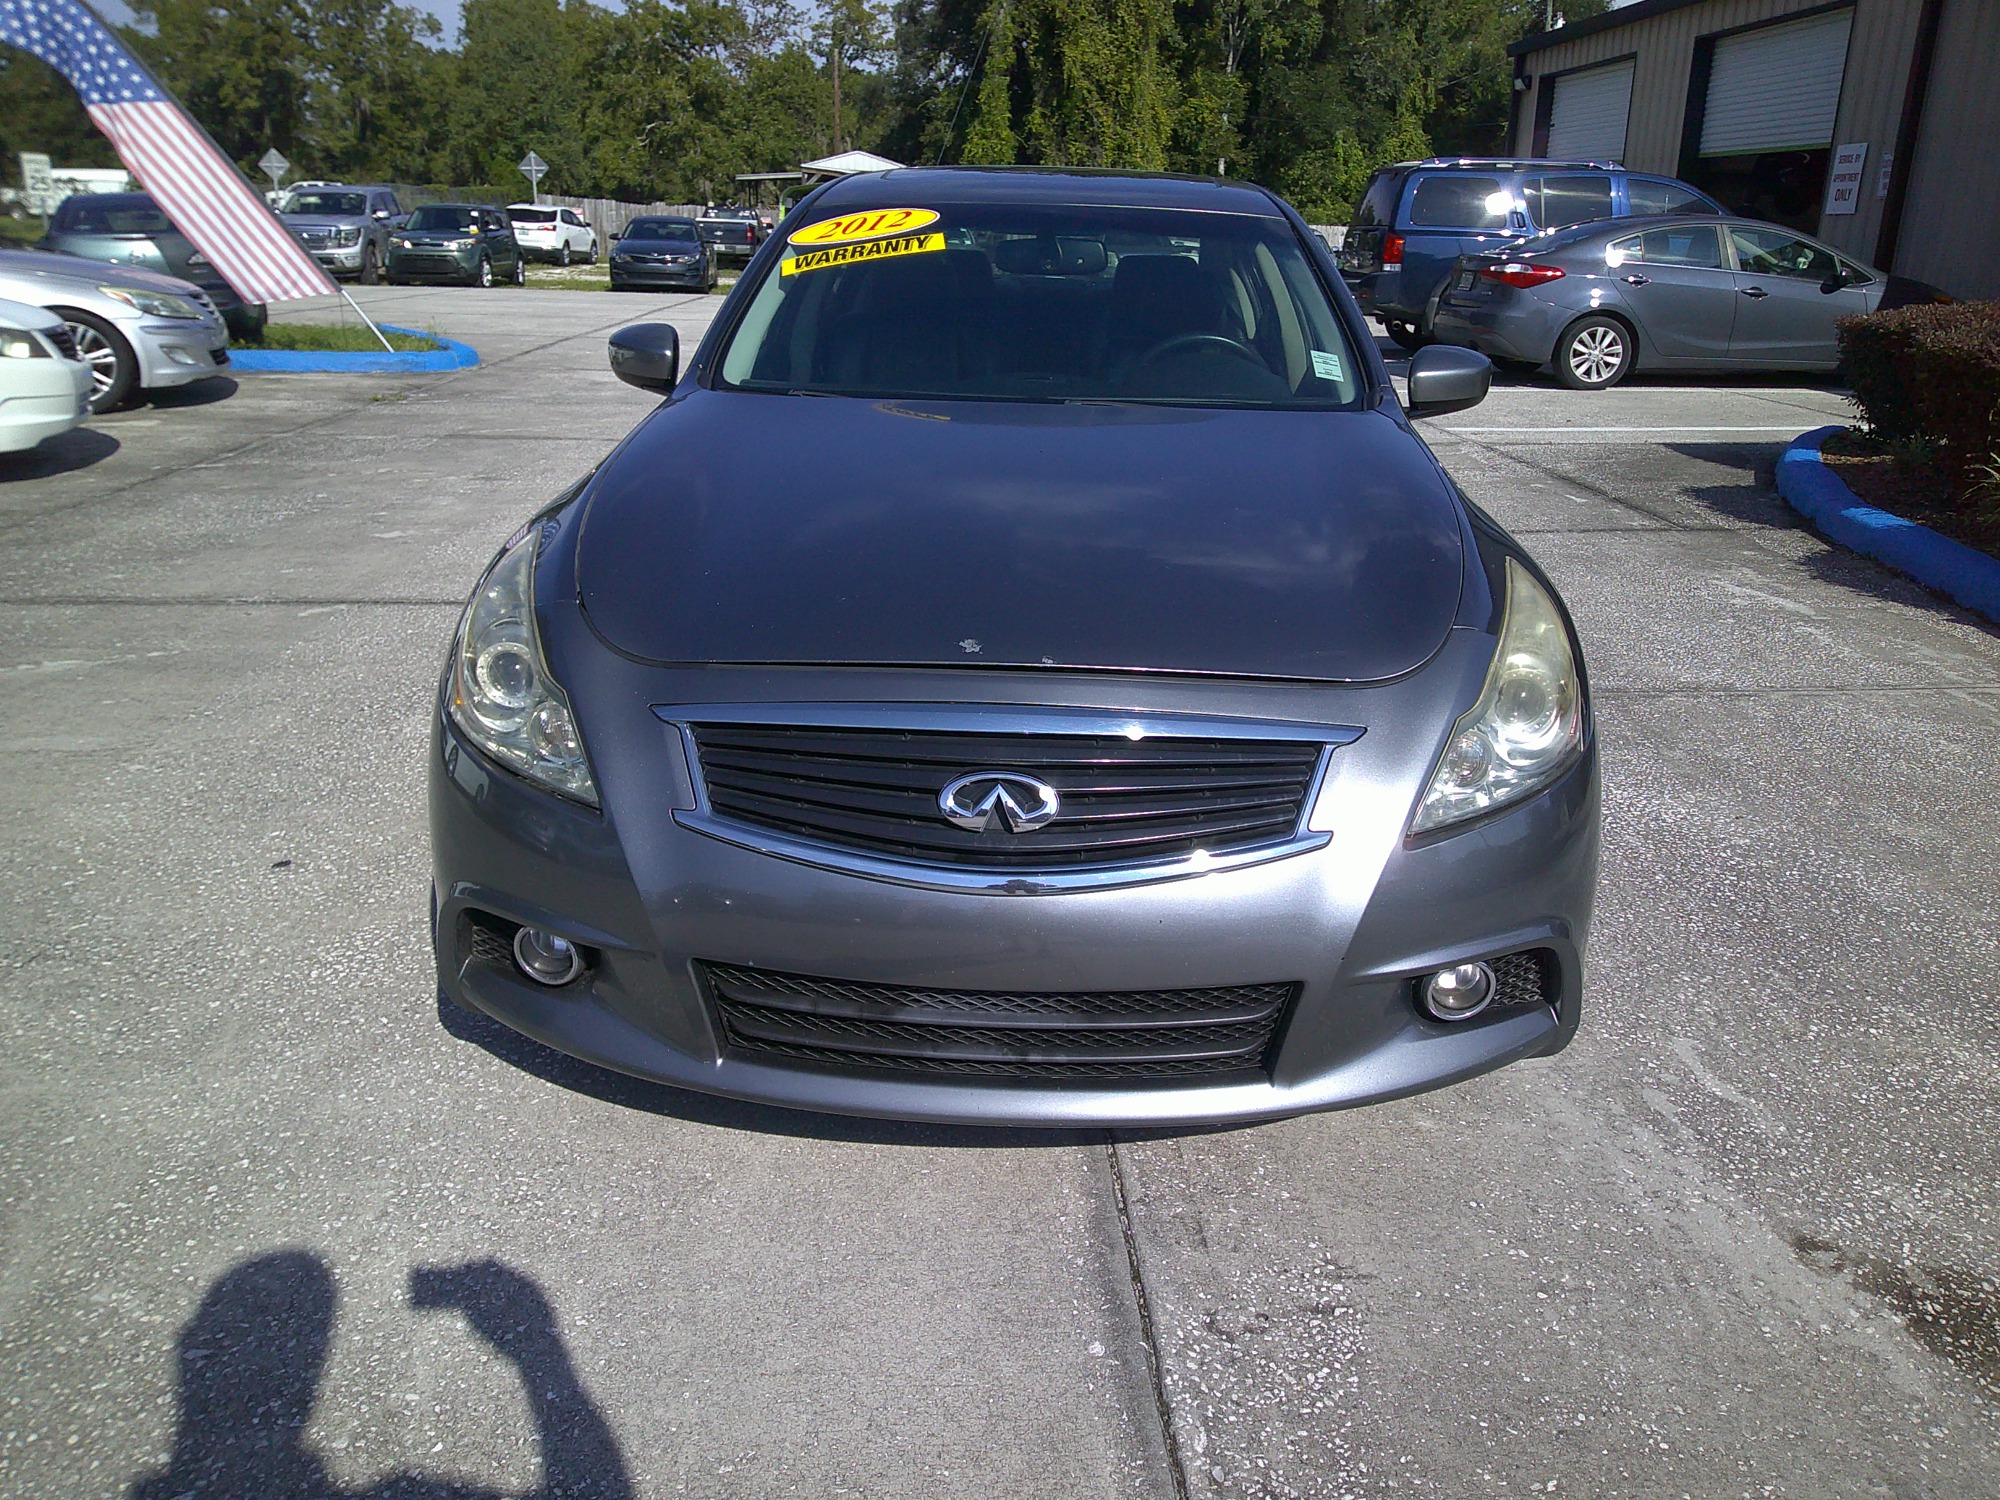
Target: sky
[{"x": 120, "y": 14}]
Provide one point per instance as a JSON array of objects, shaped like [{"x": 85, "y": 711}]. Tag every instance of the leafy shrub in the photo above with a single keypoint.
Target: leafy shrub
[{"x": 1930, "y": 373}]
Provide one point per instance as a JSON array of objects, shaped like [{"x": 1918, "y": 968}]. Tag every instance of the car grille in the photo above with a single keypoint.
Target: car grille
[
  {"x": 1530, "y": 978},
  {"x": 1204, "y": 1035},
  {"x": 1123, "y": 801},
  {"x": 63, "y": 339}
]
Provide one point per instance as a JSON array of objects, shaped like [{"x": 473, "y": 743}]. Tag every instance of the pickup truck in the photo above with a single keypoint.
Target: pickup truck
[{"x": 733, "y": 232}]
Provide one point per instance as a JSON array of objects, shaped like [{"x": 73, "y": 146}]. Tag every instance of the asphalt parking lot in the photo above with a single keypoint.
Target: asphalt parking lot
[{"x": 271, "y": 1221}]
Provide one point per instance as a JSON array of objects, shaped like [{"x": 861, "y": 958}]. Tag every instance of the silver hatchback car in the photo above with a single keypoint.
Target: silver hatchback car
[
  {"x": 1597, "y": 301},
  {"x": 137, "y": 331}
]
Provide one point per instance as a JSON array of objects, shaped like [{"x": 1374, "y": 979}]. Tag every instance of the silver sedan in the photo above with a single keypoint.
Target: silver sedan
[
  {"x": 138, "y": 331},
  {"x": 1597, "y": 301}
]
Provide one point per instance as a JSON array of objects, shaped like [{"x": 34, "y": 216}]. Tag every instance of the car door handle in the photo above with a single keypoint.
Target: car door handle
[
  {"x": 1637, "y": 280},
  {"x": 1753, "y": 291}
]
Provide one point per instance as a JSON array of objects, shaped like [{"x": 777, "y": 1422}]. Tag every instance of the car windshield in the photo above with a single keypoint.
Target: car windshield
[
  {"x": 532, "y": 215},
  {"x": 661, "y": 229},
  {"x": 444, "y": 216},
  {"x": 346, "y": 205},
  {"x": 110, "y": 216},
  {"x": 1039, "y": 302}
]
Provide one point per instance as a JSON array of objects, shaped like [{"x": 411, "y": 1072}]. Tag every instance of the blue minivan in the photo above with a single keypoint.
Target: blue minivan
[{"x": 1418, "y": 217}]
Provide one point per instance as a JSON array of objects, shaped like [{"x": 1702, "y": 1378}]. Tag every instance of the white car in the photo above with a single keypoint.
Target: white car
[
  {"x": 45, "y": 386},
  {"x": 137, "y": 330},
  {"x": 546, "y": 232}
]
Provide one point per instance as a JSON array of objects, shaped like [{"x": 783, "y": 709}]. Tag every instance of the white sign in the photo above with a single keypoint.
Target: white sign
[
  {"x": 38, "y": 187},
  {"x": 274, "y": 166},
  {"x": 1843, "y": 187},
  {"x": 532, "y": 167}
]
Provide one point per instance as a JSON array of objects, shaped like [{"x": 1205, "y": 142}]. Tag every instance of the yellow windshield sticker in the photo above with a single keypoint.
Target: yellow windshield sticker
[
  {"x": 844, "y": 255},
  {"x": 873, "y": 224}
]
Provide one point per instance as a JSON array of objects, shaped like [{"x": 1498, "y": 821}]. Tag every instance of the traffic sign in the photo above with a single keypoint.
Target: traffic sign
[
  {"x": 532, "y": 167},
  {"x": 274, "y": 166}
]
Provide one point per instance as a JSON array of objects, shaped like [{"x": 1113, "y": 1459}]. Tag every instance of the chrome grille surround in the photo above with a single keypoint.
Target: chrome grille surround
[{"x": 959, "y": 738}]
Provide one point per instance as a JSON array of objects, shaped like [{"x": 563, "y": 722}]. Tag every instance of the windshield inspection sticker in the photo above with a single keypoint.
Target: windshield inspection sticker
[
  {"x": 874, "y": 224},
  {"x": 842, "y": 255},
  {"x": 1326, "y": 366}
]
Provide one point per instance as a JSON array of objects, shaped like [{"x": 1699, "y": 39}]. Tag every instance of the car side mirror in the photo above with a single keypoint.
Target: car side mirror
[
  {"x": 647, "y": 355},
  {"x": 1838, "y": 281},
  {"x": 1445, "y": 378},
  {"x": 381, "y": 213}
]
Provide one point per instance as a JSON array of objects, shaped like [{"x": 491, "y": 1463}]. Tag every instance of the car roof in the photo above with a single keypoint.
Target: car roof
[
  {"x": 1070, "y": 187},
  {"x": 112, "y": 200},
  {"x": 1508, "y": 164},
  {"x": 551, "y": 207}
]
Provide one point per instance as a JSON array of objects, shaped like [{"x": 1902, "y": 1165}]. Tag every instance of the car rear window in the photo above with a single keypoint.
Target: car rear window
[
  {"x": 1378, "y": 204},
  {"x": 661, "y": 229},
  {"x": 1556, "y": 201},
  {"x": 532, "y": 215},
  {"x": 444, "y": 216},
  {"x": 1459, "y": 200},
  {"x": 1040, "y": 302},
  {"x": 1651, "y": 195}
]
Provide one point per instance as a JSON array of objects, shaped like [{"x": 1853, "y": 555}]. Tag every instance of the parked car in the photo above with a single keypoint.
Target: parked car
[
  {"x": 732, "y": 232},
  {"x": 130, "y": 229},
  {"x": 1417, "y": 218},
  {"x": 654, "y": 252},
  {"x": 1597, "y": 301},
  {"x": 463, "y": 242},
  {"x": 136, "y": 330},
  {"x": 345, "y": 228},
  {"x": 1111, "y": 714},
  {"x": 549, "y": 233},
  {"x": 45, "y": 386}
]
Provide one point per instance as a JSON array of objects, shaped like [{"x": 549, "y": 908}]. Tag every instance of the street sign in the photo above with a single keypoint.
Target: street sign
[
  {"x": 38, "y": 188},
  {"x": 532, "y": 167},
  {"x": 274, "y": 166}
]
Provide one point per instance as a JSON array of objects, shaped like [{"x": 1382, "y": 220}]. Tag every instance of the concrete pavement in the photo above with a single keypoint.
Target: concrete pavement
[{"x": 1740, "y": 1239}]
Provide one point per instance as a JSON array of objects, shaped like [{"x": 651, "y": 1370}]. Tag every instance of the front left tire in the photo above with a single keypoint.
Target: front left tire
[
  {"x": 371, "y": 267},
  {"x": 114, "y": 368},
  {"x": 484, "y": 275}
]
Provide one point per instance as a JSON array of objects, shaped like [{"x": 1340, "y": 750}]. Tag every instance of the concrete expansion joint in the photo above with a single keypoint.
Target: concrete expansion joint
[{"x": 1154, "y": 1373}]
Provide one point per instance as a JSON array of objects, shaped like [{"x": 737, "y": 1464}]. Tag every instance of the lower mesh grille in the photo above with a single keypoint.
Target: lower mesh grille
[
  {"x": 1159, "y": 1034},
  {"x": 1531, "y": 978},
  {"x": 486, "y": 940}
]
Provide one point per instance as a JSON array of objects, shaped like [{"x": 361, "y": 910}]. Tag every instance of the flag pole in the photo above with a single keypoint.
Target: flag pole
[{"x": 140, "y": 63}]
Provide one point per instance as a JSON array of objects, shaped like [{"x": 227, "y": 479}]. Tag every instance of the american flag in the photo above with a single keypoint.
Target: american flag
[{"x": 197, "y": 186}]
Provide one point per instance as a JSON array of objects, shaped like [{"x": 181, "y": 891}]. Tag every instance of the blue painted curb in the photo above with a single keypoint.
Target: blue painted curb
[
  {"x": 453, "y": 356},
  {"x": 1937, "y": 562}
]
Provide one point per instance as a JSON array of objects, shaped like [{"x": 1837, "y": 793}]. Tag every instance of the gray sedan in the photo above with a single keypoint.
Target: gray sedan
[
  {"x": 136, "y": 330},
  {"x": 1597, "y": 301}
]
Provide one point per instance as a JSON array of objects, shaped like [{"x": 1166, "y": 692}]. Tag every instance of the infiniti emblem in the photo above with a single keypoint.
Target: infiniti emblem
[{"x": 1015, "y": 802}]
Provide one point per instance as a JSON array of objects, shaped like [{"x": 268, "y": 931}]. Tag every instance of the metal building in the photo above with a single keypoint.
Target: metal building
[{"x": 1874, "y": 124}]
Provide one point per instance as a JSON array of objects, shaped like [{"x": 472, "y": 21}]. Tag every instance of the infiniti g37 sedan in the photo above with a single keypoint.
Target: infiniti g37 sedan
[{"x": 1099, "y": 707}]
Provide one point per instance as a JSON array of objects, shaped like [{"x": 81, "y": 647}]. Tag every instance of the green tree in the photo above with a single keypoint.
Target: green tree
[
  {"x": 242, "y": 67},
  {"x": 373, "y": 84},
  {"x": 39, "y": 111}
]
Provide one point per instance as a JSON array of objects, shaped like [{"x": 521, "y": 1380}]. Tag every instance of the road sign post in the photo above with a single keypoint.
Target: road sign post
[
  {"x": 274, "y": 166},
  {"x": 532, "y": 168}
]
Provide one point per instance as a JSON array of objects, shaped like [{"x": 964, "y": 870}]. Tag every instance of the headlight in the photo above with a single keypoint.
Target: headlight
[
  {"x": 1526, "y": 727},
  {"x": 501, "y": 693},
  {"x": 350, "y": 236},
  {"x": 152, "y": 304},
  {"x": 461, "y": 244},
  {"x": 404, "y": 244},
  {"x": 17, "y": 345}
]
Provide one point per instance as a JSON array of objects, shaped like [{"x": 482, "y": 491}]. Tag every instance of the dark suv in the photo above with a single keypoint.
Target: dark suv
[{"x": 1418, "y": 217}]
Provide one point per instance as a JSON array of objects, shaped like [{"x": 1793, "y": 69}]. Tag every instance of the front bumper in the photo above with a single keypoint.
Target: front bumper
[
  {"x": 1351, "y": 924},
  {"x": 177, "y": 352},
  {"x": 628, "y": 273},
  {"x": 339, "y": 260},
  {"x": 433, "y": 265}
]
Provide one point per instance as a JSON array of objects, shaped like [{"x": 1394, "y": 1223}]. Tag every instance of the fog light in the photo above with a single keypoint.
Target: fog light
[
  {"x": 180, "y": 356},
  {"x": 1458, "y": 993},
  {"x": 546, "y": 958}
]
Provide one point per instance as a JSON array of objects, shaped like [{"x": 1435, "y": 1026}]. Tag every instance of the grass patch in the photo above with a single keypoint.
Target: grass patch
[
  {"x": 21, "y": 231},
  {"x": 340, "y": 338}
]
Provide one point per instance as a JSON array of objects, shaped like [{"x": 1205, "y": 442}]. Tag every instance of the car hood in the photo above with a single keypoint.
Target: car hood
[
  {"x": 41, "y": 267},
  {"x": 790, "y": 529}
]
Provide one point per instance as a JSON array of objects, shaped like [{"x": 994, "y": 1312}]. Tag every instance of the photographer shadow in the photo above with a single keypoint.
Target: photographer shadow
[{"x": 250, "y": 1366}]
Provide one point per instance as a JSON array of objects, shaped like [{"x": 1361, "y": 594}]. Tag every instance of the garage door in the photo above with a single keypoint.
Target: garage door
[
  {"x": 1776, "y": 88},
  {"x": 1587, "y": 117}
]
